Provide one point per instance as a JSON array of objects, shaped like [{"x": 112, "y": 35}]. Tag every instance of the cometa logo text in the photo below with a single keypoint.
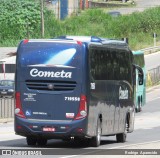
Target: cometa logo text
[{"x": 62, "y": 74}]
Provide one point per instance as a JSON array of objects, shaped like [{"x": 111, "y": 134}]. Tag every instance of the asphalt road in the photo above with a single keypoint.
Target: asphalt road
[
  {"x": 152, "y": 60},
  {"x": 147, "y": 130}
]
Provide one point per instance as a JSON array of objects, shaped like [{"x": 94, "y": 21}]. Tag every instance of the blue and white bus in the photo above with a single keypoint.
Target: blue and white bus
[
  {"x": 74, "y": 87},
  {"x": 140, "y": 90}
]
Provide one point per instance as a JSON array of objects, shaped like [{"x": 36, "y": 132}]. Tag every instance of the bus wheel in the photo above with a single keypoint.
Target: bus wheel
[
  {"x": 42, "y": 142},
  {"x": 31, "y": 141},
  {"x": 139, "y": 105},
  {"x": 138, "y": 108},
  {"x": 121, "y": 137},
  {"x": 96, "y": 141}
]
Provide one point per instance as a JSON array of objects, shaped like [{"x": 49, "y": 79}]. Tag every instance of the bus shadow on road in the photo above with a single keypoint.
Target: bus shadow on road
[
  {"x": 73, "y": 144},
  {"x": 54, "y": 143}
]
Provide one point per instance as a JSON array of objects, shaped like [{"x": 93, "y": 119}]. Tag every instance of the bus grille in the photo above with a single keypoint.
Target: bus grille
[{"x": 51, "y": 85}]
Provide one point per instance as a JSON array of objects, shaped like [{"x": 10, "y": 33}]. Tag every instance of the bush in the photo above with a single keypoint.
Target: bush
[{"x": 20, "y": 19}]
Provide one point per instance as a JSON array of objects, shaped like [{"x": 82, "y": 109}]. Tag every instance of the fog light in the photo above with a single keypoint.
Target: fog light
[{"x": 83, "y": 113}]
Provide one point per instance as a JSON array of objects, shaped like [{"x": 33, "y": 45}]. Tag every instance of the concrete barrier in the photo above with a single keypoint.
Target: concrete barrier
[
  {"x": 104, "y": 4},
  {"x": 153, "y": 76},
  {"x": 6, "y": 109}
]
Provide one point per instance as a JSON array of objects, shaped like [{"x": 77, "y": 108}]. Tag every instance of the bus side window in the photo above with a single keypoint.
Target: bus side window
[{"x": 134, "y": 76}]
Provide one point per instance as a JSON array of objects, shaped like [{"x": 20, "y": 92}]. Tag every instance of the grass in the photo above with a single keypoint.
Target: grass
[{"x": 138, "y": 27}]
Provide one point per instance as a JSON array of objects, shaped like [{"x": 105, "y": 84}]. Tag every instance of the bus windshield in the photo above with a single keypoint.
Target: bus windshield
[{"x": 49, "y": 54}]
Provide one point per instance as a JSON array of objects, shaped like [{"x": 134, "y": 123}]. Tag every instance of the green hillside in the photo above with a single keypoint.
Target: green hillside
[{"x": 20, "y": 19}]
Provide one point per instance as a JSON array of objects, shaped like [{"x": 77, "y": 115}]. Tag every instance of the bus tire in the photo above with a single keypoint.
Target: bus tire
[
  {"x": 139, "y": 104},
  {"x": 121, "y": 137},
  {"x": 41, "y": 142},
  {"x": 96, "y": 141},
  {"x": 31, "y": 141},
  {"x": 138, "y": 108}
]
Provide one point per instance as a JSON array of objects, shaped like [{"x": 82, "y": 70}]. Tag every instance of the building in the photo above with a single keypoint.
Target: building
[
  {"x": 7, "y": 68},
  {"x": 7, "y": 63},
  {"x": 65, "y": 8}
]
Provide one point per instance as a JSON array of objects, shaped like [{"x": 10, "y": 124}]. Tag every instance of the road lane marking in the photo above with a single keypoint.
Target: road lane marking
[
  {"x": 144, "y": 143},
  {"x": 69, "y": 156},
  {"x": 7, "y": 133},
  {"x": 153, "y": 99}
]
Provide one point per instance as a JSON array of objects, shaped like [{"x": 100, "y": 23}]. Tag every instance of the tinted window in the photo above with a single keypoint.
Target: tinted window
[
  {"x": 49, "y": 53},
  {"x": 139, "y": 60},
  {"x": 110, "y": 64}
]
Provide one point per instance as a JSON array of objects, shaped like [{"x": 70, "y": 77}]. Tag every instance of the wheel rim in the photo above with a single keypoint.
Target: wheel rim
[
  {"x": 99, "y": 134},
  {"x": 126, "y": 130}
]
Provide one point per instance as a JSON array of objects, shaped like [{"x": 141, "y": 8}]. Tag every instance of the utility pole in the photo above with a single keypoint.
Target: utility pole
[
  {"x": 42, "y": 18},
  {"x": 154, "y": 39}
]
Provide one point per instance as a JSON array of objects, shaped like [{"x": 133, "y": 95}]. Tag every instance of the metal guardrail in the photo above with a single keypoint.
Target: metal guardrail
[
  {"x": 150, "y": 49},
  {"x": 94, "y": 4},
  {"x": 153, "y": 76},
  {"x": 6, "y": 108}
]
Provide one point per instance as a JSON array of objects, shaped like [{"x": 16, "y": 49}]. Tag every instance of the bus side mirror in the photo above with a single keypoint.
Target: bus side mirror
[
  {"x": 140, "y": 74},
  {"x": 140, "y": 79}
]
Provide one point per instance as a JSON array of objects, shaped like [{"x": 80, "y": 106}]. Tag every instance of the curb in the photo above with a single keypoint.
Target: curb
[
  {"x": 152, "y": 88},
  {"x": 6, "y": 120}
]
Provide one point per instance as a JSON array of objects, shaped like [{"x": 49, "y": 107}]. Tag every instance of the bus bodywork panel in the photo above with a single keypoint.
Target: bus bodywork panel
[
  {"x": 49, "y": 78},
  {"x": 111, "y": 89},
  {"x": 54, "y": 78},
  {"x": 112, "y": 106}
]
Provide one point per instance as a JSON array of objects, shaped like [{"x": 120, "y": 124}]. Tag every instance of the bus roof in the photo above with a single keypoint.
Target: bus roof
[
  {"x": 49, "y": 40},
  {"x": 89, "y": 39},
  {"x": 85, "y": 39}
]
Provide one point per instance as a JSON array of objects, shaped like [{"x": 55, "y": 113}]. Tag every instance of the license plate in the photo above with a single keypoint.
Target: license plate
[
  {"x": 48, "y": 129},
  {"x": 3, "y": 92}
]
